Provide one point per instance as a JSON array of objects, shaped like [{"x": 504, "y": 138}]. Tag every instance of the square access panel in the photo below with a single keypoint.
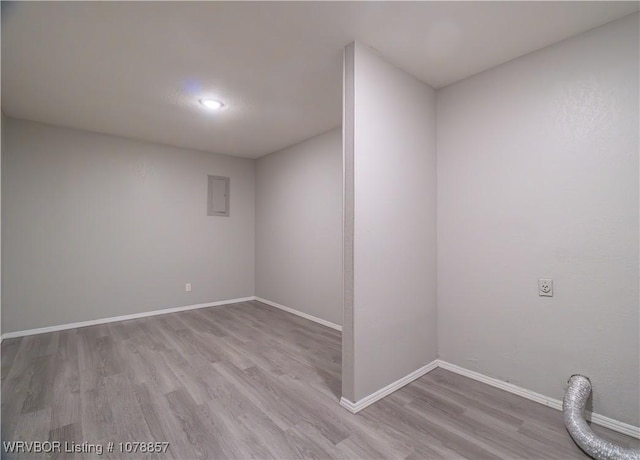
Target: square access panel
[{"x": 218, "y": 196}]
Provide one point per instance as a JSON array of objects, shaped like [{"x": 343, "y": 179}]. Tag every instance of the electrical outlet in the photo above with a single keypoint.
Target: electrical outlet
[
  {"x": 187, "y": 287},
  {"x": 545, "y": 287}
]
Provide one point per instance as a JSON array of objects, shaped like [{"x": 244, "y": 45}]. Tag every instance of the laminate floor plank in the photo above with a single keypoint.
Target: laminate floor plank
[
  {"x": 299, "y": 404},
  {"x": 97, "y": 420},
  {"x": 463, "y": 443},
  {"x": 10, "y": 349},
  {"x": 251, "y": 381},
  {"x": 14, "y": 391},
  {"x": 274, "y": 439},
  {"x": 27, "y": 350},
  {"x": 129, "y": 416},
  {"x": 66, "y": 383},
  {"x": 155, "y": 371},
  {"x": 310, "y": 446},
  {"x": 32, "y": 426},
  {"x": 281, "y": 414},
  {"x": 492, "y": 439},
  {"x": 157, "y": 429},
  {"x": 193, "y": 372},
  {"x": 506, "y": 405},
  {"x": 358, "y": 447},
  {"x": 152, "y": 337},
  {"x": 65, "y": 435},
  {"x": 410, "y": 436}
]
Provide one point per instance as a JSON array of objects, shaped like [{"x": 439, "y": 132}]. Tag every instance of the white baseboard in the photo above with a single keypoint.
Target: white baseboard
[
  {"x": 356, "y": 407},
  {"x": 62, "y": 327},
  {"x": 315, "y": 319},
  {"x": 615, "y": 425},
  {"x": 506, "y": 386},
  {"x": 598, "y": 419}
]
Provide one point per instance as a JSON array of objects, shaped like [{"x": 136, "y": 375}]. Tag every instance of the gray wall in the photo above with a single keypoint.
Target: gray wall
[
  {"x": 538, "y": 178},
  {"x": 2, "y": 143},
  {"x": 390, "y": 140},
  {"x": 96, "y": 226},
  {"x": 299, "y": 227}
]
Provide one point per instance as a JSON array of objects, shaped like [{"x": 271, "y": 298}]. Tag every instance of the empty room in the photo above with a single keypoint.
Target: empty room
[{"x": 330, "y": 230}]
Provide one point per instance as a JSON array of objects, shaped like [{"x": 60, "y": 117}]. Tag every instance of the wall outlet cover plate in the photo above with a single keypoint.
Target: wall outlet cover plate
[{"x": 545, "y": 287}]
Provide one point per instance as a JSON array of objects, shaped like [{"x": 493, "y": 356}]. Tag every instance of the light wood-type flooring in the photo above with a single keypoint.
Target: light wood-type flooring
[{"x": 250, "y": 381}]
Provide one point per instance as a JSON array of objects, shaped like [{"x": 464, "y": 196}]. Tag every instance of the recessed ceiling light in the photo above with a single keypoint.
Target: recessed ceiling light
[{"x": 212, "y": 104}]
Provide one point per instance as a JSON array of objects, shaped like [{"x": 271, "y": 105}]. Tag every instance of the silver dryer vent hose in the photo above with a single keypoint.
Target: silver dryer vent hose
[{"x": 573, "y": 408}]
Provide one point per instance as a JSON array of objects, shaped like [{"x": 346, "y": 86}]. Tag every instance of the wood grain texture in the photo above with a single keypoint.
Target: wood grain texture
[{"x": 251, "y": 381}]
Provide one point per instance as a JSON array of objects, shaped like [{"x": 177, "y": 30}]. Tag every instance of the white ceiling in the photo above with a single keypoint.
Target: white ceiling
[{"x": 136, "y": 69}]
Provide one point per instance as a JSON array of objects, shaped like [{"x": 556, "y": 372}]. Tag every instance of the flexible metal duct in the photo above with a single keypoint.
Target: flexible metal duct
[{"x": 573, "y": 407}]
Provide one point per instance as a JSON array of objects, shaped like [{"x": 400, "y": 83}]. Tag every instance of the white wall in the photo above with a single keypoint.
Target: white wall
[
  {"x": 299, "y": 227},
  {"x": 96, "y": 226},
  {"x": 390, "y": 142},
  {"x": 538, "y": 178}
]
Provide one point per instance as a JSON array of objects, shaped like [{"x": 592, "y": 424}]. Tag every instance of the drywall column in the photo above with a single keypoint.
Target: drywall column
[{"x": 389, "y": 327}]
